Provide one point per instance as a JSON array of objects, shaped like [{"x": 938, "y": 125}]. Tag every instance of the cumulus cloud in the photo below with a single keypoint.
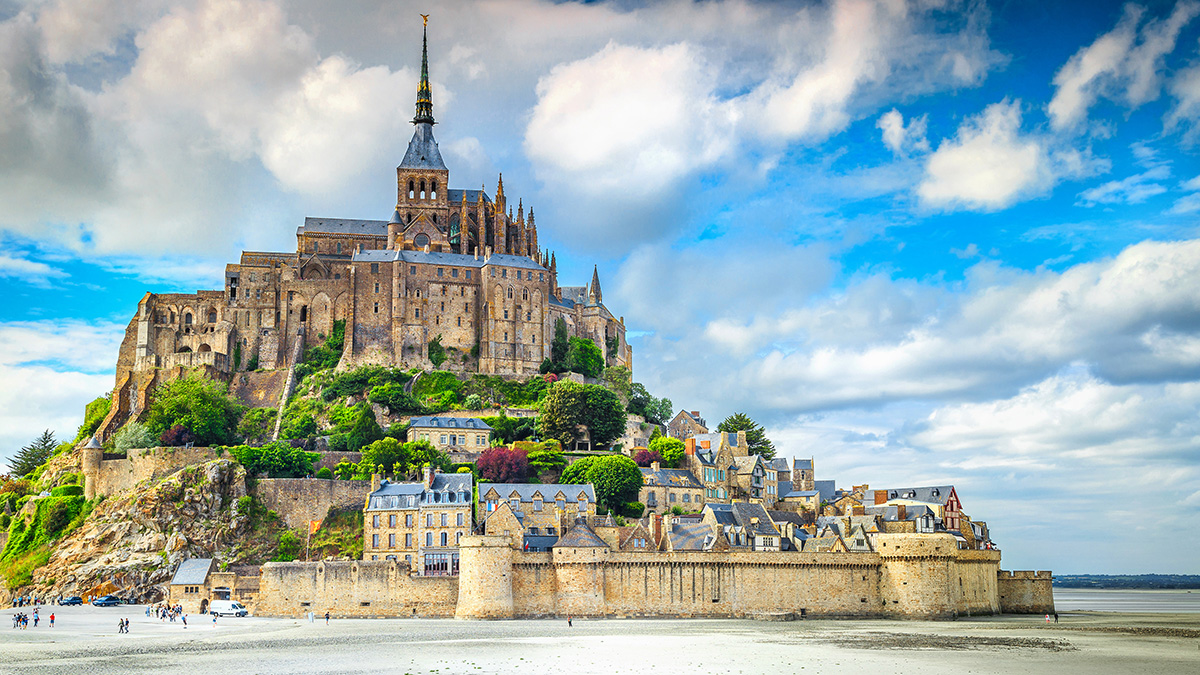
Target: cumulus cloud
[
  {"x": 29, "y": 271},
  {"x": 1122, "y": 65},
  {"x": 900, "y": 138},
  {"x": 989, "y": 165}
]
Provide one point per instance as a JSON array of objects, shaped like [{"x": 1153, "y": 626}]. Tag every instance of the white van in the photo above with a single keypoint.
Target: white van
[{"x": 227, "y": 608}]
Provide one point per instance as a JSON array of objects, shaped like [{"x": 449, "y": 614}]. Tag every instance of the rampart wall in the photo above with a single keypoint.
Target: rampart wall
[
  {"x": 1026, "y": 592},
  {"x": 300, "y": 500},
  {"x": 109, "y": 476},
  {"x": 359, "y": 588}
]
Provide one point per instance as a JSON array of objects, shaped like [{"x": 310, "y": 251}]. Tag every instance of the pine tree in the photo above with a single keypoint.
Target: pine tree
[
  {"x": 756, "y": 436},
  {"x": 33, "y": 455},
  {"x": 560, "y": 345}
]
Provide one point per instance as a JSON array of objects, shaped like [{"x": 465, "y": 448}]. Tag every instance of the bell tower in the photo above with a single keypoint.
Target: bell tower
[{"x": 422, "y": 206}]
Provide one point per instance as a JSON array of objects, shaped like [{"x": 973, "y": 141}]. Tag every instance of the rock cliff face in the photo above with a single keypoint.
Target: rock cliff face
[{"x": 132, "y": 541}]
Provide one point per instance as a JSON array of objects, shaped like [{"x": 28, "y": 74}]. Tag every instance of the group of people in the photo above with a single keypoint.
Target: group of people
[
  {"x": 123, "y": 626},
  {"x": 166, "y": 613},
  {"x": 26, "y": 601},
  {"x": 21, "y": 620}
]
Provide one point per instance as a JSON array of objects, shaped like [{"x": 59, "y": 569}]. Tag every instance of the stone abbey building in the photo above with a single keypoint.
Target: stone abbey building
[{"x": 451, "y": 263}]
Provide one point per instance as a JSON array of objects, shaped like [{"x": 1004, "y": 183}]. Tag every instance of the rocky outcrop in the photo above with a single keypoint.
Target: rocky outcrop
[{"x": 131, "y": 542}]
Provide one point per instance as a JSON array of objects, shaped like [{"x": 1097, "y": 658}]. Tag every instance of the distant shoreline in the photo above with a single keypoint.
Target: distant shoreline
[{"x": 1178, "y": 582}]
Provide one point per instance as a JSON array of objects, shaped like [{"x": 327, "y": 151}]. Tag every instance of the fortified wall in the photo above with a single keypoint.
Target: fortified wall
[
  {"x": 920, "y": 576},
  {"x": 1026, "y": 592},
  {"x": 301, "y": 500},
  {"x": 106, "y": 476}
]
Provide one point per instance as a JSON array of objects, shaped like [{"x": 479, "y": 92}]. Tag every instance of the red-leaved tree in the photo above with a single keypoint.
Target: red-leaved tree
[
  {"x": 646, "y": 457},
  {"x": 502, "y": 465},
  {"x": 177, "y": 436}
]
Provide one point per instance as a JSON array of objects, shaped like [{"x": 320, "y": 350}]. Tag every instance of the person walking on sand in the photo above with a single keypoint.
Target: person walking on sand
[
  {"x": 52, "y": 619},
  {"x": 183, "y": 617},
  {"x": 1047, "y": 618},
  {"x": 326, "y": 618},
  {"x": 1056, "y": 616},
  {"x": 568, "y": 621}
]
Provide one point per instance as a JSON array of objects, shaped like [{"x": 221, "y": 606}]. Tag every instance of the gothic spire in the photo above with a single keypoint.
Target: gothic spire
[
  {"x": 424, "y": 96},
  {"x": 595, "y": 292}
]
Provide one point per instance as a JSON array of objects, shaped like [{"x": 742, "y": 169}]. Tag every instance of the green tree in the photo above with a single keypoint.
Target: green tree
[
  {"x": 585, "y": 358},
  {"x": 257, "y": 423},
  {"x": 202, "y": 406},
  {"x": 756, "y": 436},
  {"x": 570, "y": 404},
  {"x": 641, "y": 402},
  {"x": 33, "y": 455},
  {"x": 437, "y": 353},
  {"x": 275, "y": 460},
  {"x": 670, "y": 449},
  {"x": 617, "y": 379},
  {"x": 133, "y": 435},
  {"x": 422, "y": 454},
  {"x": 546, "y": 459},
  {"x": 560, "y": 345},
  {"x": 389, "y": 453},
  {"x": 365, "y": 430},
  {"x": 616, "y": 478},
  {"x": 93, "y": 414}
]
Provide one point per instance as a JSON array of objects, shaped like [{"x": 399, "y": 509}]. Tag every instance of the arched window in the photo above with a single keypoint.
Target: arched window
[
  {"x": 422, "y": 189},
  {"x": 510, "y": 293},
  {"x": 412, "y": 192},
  {"x": 525, "y": 294},
  {"x": 212, "y": 316},
  {"x": 421, "y": 240},
  {"x": 433, "y": 190},
  {"x": 187, "y": 319}
]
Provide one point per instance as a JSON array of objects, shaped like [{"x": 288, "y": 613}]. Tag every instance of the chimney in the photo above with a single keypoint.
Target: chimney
[
  {"x": 901, "y": 512},
  {"x": 428, "y": 477},
  {"x": 858, "y": 510},
  {"x": 374, "y": 482},
  {"x": 654, "y": 466},
  {"x": 696, "y": 414},
  {"x": 880, "y": 497},
  {"x": 656, "y": 528},
  {"x": 689, "y": 446}
]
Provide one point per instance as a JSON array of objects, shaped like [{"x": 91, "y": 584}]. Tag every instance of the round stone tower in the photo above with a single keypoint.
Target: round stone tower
[
  {"x": 915, "y": 575},
  {"x": 485, "y": 578},
  {"x": 90, "y": 463}
]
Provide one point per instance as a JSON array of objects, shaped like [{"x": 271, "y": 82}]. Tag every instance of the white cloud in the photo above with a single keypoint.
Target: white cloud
[
  {"x": 29, "y": 271},
  {"x": 989, "y": 165},
  {"x": 900, "y": 138},
  {"x": 1124, "y": 64},
  {"x": 1133, "y": 189},
  {"x": 76, "y": 30},
  {"x": 1185, "y": 87}
]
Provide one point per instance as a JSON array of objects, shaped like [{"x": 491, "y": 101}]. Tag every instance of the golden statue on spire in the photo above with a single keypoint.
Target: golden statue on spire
[{"x": 425, "y": 19}]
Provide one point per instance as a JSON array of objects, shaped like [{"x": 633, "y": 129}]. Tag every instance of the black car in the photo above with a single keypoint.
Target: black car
[
  {"x": 106, "y": 601},
  {"x": 73, "y": 600}
]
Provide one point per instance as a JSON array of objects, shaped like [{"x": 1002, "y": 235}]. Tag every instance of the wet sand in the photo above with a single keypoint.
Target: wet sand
[{"x": 85, "y": 641}]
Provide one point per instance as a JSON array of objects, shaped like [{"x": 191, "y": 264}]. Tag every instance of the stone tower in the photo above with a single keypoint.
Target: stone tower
[
  {"x": 422, "y": 177},
  {"x": 93, "y": 455},
  {"x": 485, "y": 588}
]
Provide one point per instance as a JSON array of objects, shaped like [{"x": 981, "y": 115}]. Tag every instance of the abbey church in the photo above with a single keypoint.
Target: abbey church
[{"x": 451, "y": 266}]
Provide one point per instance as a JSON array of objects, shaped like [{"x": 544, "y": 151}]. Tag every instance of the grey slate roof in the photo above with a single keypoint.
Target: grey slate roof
[
  {"x": 722, "y": 513},
  {"x": 933, "y": 494},
  {"x": 456, "y": 196},
  {"x": 803, "y": 464},
  {"x": 746, "y": 464},
  {"x": 433, "y": 422},
  {"x": 690, "y": 536},
  {"x": 785, "y": 486},
  {"x": 580, "y": 536},
  {"x": 375, "y": 228},
  {"x": 526, "y": 491},
  {"x": 786, "y": 517},
  {"x": 538, "y": 542},
  {"x": 779, "y": 464},
  {"x": 447, "y": 486},
  {"x": 827, "y": 488},
  {"x": 746, "y": 512},
  {"x": 448, "y": 259},
  {"x": 423, "y": 150},
  {"x": 680, "y": 478},
  {"x": 192, "y": 571}
]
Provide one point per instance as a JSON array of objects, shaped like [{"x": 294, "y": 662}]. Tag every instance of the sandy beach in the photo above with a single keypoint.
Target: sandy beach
[{"x": 86, "y": 641}]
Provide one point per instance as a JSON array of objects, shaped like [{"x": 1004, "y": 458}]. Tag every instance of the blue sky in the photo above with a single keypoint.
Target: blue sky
[{"x": 923, "y": 242}]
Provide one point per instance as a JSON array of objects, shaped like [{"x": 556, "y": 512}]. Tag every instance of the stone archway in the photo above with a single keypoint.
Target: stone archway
[{"x": 204, "y": 606}]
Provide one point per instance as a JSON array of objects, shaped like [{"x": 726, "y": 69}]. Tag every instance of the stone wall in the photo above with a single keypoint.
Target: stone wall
[
  {"x": 1025, "y": 592},
  {"x": 359, "y": 589},
  {"x": 300, "y": 500},
  {"x": 109, "y": 476}
]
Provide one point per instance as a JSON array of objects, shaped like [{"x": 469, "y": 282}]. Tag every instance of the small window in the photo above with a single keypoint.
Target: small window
[
  {"x": 374, "y": 541},
  {"x": 541, "y": 276},
  {"x": 391, "y": 541},
  {"x": 454, "y": 274},
  {"x": 412, "y": 269},
  {"x": 377, "y": 308},
  {"x": 375, "y": 520},
  {"x": 339, "y": 247},
  {"x": 376, "y": 286},
  {"x": 416, "y": 313},
  {"x": 392, "y": 520},
  {"x": 439, "y": 271},
  {"x": 504, "y": 275},
  {"x": 468, "y": 274},
  {"x": 408, "y": 540},
  {"x": 429, "y": 539},
  {"x": 374, "y": 268}
]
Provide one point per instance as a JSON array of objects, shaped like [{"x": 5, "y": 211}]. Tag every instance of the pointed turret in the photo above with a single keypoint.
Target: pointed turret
[
  {"x": 594, "y": 294},
  {"x": 532, "y": 236},
  {"x": 424, "y": 95}
]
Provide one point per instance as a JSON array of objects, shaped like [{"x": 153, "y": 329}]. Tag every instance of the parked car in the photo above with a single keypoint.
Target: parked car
[
  {"x": 106, "y": 601},
  {"x": 73, "y": 600},
  {"x": 227, "y": 608}
]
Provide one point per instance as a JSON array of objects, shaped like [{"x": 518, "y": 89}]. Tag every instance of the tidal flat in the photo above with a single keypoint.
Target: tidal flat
[{"x": 85, "y": 640}]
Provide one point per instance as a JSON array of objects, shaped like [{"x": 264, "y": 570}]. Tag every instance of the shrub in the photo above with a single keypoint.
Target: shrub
[
  {"x": 201, "y": 405},
  {"x": 177, "y": 436},
  {"x": 569, "y": 405},
  {"x": 502, "y": 465},
  {"x": 393, "y": 397},
  {"x": 276, "y": 460},
  {"x": 133, "y": 435},
  {"x": 324, "y": 472},
  {"x": 336, "y": 443},
  {"x": 67, "y": 491},
  {"x": 288, "y": 547},
  {"x": 93, "y": 414},
  {"x": 355, "y": 382},
  {"x": 646, "y": 457},
  {"x": 670, "y": 449},
  {"x": 257, "y": 423},
  {"x": 365, "y": 430},
  {"x": 437, "y": 353},
  {"x": 473, "y": 402},
  {"x": 507, "y": 429},
  {"x": 633, "y": 510}
]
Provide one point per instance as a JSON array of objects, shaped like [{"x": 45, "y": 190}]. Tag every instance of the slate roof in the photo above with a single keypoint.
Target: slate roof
[
  {"x": 827, "y": 488},
  {"x": 785, "y": 486},
  {"x": 679, "y": 478},
  {"x": 423, "y": 150},
  {"x": 933, "y": 494},
  {"x": 746, "y": 464},
  {"x": 432, "y": 422},
  {"x": 193, "y": 571},
  {"x": 580, "y": 536},
  {"x": 746, "y": 512},
  {"x": 722, "y": 513},
  {"x": 802, "y": 464},
  {"x": 779, "y": 464},
  {"x": 786, "y": 517},
  {"x": 456, "y": 196},
  {"x": 548, "y": 490},
  {"x": 536, "y": 542},
  {"x": 374, "y": 228},
  {"x": 821, "y": 544},
  {"x": 451, "y": 485},
  {"x": 447, "y": 259},
  {"x": 690, "y": 536}
]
